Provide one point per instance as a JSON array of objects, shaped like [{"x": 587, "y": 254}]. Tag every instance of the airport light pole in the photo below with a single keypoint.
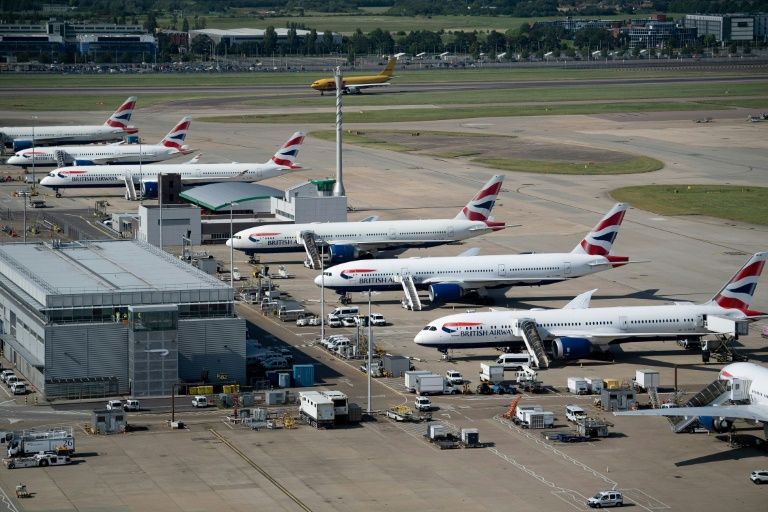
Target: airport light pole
[
  {"x": 34, "y": 157},
  {"x": 370, "y": 350},
  {"x": 160, "y": 204},
  {"x": 322, "y": 291},
  {"x": 231, "y": 246},
  {"x": 25, "y": 194}
]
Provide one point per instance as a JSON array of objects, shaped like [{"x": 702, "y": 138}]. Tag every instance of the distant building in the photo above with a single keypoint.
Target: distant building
[
  {"x": 659, "y": 34},
  {"x": 725, "y": 27},
  {"x": 253, "y": 35},
  {"x": 87, "y": 39}
]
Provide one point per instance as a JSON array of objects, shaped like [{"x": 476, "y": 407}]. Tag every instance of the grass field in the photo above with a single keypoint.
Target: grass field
[
  {"x": 743, "y": 204},
  {"x": 437, "y": 114},
  {"x": 633, "y": 165}
]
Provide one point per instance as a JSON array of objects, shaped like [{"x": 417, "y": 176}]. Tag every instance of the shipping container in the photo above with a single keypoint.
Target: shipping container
[
  {"x": 645, "y": 379},
  {"x": 396, "y": 366},
  {"x": 303, "y": 375}
]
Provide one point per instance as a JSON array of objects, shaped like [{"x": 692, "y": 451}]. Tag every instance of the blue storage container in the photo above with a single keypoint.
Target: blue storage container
[
  {"x": 284, "y": 380},
  {"x": 304, "y": 375}
]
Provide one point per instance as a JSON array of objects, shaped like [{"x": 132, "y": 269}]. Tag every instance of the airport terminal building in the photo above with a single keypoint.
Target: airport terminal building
[{"x": 114, "y": 317}]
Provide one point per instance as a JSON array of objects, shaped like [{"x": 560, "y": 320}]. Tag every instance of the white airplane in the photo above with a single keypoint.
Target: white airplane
[
  {"x": 169, "y": 147},
  {"x": 451, "y": 278},
  {"x": 745, "y": 381},
  {"x": 577, "y": 330},
  {"x": 192, "y": 173},
  {"x": 350, "y": 240},
  {"x": 113, "y": 129}
]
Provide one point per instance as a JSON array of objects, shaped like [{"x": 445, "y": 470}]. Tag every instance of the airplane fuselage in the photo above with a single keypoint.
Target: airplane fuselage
[
  {"x": 471, "y": 272},
  {"x": 45, "y": 135},
  {"x": 329, "y": 84},
  {"x": 126, "y": 154},
  {"x": 378, "y": 235},
  {"x": 191, "y": 173},
  {"x": 602, "y": 326}
]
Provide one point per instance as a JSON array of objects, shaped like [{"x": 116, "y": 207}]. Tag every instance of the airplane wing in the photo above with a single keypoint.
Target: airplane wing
[
  {"x": 372, "y": 218},
  {"x": 611, "y": 263},
  {"x": 745, "y": 412},
  {"x": 581, "y": 301},
  {"x": 366, "y": 86}
]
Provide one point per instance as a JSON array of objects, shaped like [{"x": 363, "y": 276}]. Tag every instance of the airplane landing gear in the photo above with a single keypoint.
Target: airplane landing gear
[{"x": 344, "y": 299}]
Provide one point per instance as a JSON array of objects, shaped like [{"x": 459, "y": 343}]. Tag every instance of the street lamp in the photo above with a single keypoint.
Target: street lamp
[
  {"x": 370, "y": 350},
  {"x": 25, "y": 194},
  {"x": 231, "y": 246},
  {"x": 322, "y": 292}
]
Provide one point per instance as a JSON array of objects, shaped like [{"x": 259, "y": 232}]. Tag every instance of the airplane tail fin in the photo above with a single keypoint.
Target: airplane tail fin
[
  {"x": 480, "y": 206},
  {"x": 121, "y": 116},
  {"x": 286, "y": 155},
  {"x": 738, "y": 292},
  {"x": 175, "y": 137},
  {"x": 599, "y": 241},
  {"x": 390, "y": 69}
]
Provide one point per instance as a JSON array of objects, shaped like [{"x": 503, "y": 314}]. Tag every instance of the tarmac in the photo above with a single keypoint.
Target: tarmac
[{"x": 381, "y": 465}]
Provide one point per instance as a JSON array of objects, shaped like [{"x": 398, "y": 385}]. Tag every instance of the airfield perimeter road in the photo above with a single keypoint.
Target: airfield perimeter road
[{"x": 388, "y": 466}]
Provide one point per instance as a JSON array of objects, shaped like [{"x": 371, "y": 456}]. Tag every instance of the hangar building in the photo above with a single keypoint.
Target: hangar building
[{"x": 114, "y": 317}]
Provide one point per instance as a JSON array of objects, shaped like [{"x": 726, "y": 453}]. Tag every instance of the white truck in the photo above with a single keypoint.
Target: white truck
[
  {"x": 537, "y": 419},
  {"x": 491, "y": 373},
  {"x": 429, "y": 384},
  {"x": 645, "y": 379},
  {"x": 38, "y": 460},
  {"x": 410, "y": 378},
  {"x": 578, "y": 386},
  {"x": 522, "y": 410},
  {"x": 316, "y": 409},
  {"x": 60, "y": 441}
]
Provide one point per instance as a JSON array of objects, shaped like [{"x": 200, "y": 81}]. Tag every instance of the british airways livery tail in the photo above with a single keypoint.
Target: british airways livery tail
[
  {"x": 176, "y": 136},
  {"x": 480, "y": 206},
  {"x": 739, "y": 291},
  {"x": 286, "y": 155},
  {"x": 600, "y": 240},
  {"x": 122, "y": 116}
]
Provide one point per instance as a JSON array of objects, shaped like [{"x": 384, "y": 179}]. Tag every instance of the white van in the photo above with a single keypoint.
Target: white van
[
  {"x": 575, "y": 413},
  {"x": 514, "y": 361},
  {"x": 200, "y": 401},
  {"x": 606, "y": 499},
  {"x": 344, "y": 311},
  {"x": 19, "y": 388}
]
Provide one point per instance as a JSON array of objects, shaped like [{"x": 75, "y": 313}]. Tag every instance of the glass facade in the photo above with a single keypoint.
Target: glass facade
[{"x": 120, "y": 314}]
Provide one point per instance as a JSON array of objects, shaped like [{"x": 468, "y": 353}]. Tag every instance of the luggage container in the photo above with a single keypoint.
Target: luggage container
[
  {"x": 435, "y": 431},
  {"x": 396, "y": 366},
  {"x": 595, "y": 384},
  {"x": 578, "y": 386},
  {"x": 470, "y": 436},
  {"x": 611, "y": 384},
  {"x": 645, "y": 379}
]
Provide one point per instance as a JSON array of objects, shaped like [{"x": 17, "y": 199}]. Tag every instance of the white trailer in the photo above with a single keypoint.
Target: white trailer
[
  {"x": 491, "y": 373},
  {"x": 429, "y": 384},
  {"x": 522, "y": 410},
  {"x": 410, "y": 378},
  {"x": 595, "y": 384},
  {"x": 646, "y": 378},
  {"x": 578, "y": 386},
  {"x": 539, "y": 419},
  {"x": 316, "y": 409}
]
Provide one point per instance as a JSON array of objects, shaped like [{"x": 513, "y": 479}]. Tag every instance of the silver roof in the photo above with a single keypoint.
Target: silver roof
[{"x": 108, "y": 272}]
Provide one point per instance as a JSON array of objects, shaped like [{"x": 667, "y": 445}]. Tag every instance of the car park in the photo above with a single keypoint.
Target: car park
[
  {"x": 759, "y": 476},
  {"x": 606, "y": 499}
]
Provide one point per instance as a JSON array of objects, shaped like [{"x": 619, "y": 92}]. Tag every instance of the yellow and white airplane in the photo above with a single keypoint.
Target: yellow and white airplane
[{"x": 356, "y": 84}]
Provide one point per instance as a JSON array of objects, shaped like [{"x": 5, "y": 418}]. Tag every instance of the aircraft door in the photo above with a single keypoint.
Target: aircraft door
[
  {"x": 699, "y": 322},
  {"x": 623, "y": 324},
  {"x": 566, "y": 269},
  {"x": 502, "y": 271},
  {"x": 392, "y": 233},
  {"x": 449, "y": 233}
]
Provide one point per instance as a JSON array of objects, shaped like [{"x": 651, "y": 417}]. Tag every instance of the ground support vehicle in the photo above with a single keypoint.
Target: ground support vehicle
[
  {"x": 38, "y": 460},
  {"x": 491, "y": 373},
  {"x": 405, "y": 413},
  {"x": 316, "y": 409}
]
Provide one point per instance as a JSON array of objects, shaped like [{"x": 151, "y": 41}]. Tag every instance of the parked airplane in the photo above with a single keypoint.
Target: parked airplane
[
  {"x": 576, "y": 330},
  {"x": 192, "y": 173},
  {"x": 356, "y": 84},
  {"x": 745, "y": 381},
  {"x": 450, "y": 278},
  {"x": 169, "y": 147},
  {"x": 113, "y": 129},
  {"x": 350, "y": 240}
]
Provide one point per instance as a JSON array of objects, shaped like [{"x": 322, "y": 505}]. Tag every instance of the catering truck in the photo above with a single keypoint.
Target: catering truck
[{"x": 59, "y": 440}]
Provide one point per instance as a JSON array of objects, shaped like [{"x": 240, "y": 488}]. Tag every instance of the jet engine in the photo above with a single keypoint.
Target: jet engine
[
  {"x": 714, "y": 424},
  {"x": 21, "y": 144},
  {"x": 149, "y": 188},
  {"x": 445, "y": 292},
  {"x": 571, "y": 348},
  {"x": 342, "y": 253}
]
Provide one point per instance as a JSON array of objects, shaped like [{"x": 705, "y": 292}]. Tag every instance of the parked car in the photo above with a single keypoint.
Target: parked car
[
  {"x": 422, "y": 403},
  {"x": 334, "y": 321},
  {"x": 759, "y": 476},
  {"x": 5, "y": 373},
  {"x": 348, "y": 321},
  {"x": 115, "y": 405},
  {"x": 454, "y": 377},
  {"x": 200, "y": 401},
  {"x": 378, "y": 319},
  {"x": 274, "y": 363},
  {"x": 11, "y": 379},
  {"x": 19, "y": 388},
  {"x": 606, "y": 499},
  {"x": 303, "y": 321},
  {"x": 131, "y": 405}
]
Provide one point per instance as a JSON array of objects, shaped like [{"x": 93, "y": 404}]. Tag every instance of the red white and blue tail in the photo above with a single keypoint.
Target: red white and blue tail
[
  {"x": 175, "y": 137},
  {"x": 479, "y": 208},
  {"x": 286, "y": 155},
  {"x": 599, "y": 241},
  {"x": 122, "y": 116},
  {"x": 738, "y": 292}
]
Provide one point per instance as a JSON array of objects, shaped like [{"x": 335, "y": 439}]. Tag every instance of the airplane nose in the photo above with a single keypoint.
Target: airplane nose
[{"x": 319, "y": 280}]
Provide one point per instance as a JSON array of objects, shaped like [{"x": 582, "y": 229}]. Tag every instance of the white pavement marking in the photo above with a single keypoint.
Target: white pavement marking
[{"x": 6, "y": 501}]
